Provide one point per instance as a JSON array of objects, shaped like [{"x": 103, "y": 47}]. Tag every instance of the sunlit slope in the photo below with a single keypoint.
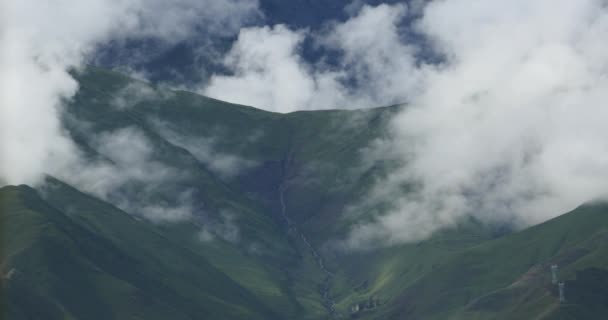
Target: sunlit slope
[{"x": 509, "y": 277}]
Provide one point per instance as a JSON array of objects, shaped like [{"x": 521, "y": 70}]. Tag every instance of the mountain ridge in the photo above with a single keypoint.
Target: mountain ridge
[{"x": 253, "y": 242}]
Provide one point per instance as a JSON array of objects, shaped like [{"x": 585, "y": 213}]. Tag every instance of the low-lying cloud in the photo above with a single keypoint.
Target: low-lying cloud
[
  {"x": 136, "y": 92},
  {"x": 224, "y": 228},
  {"x": 205, "y": 150},
  {"x": 42, "y": 41},
  {"x": 127, "y": 173},
  {"x": 509, "y": 128}
]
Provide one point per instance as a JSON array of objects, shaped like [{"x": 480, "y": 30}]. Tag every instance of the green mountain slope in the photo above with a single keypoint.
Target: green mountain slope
[
  {"x": 264, "y": 194},
  {"x": 103, "y": 264},
  {"x": 306, "y": 159},
  {"x": 509, "y": 278}
]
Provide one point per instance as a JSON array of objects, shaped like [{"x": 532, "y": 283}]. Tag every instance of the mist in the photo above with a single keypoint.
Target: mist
[
  {"x": 43, "y": 41},
  {"x": 508, "y": 128},
  {"x": 506, "y": 125},
  {"x": 504, "y": 105},
  {"x": 41, "y": 45}
]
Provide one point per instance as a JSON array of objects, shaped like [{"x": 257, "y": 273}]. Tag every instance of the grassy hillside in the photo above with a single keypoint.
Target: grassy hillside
[
  {"x": 509, "y": 278},
  {"x": 264, "y": 193},
  {"x": 311, "y": 156},
  {"x": 103, "y": 264}
]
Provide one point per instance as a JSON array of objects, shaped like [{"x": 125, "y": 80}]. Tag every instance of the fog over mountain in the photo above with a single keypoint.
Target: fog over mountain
[
  {"x": 507, "y": 127},
  {"x": 303, "y": 160},
  {"x": 504, "y": 100}
]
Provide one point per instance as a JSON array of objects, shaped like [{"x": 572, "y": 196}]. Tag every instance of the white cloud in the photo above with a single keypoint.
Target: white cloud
[
  {"x": 175, "y": 20},
  {"x": 42, "y": 40},
  {"x": 205, "y": 150},
  {"x": 129, "y": 175},
  {"x": 135, "y": 93},
  {"x": 224, "y": 228},
  {"x": 270, "y": 72},
  {"x": 34, "y": 80},
  {"x": 376, "y": 57},
  {"x": 510, "y": 127}
]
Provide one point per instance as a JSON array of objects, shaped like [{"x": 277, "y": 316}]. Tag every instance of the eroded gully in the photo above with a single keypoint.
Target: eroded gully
[{"x": 327, "y": 300}]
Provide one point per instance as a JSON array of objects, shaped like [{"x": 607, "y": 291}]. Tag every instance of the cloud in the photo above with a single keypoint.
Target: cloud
[
  {"x": 180, "y": 209},
  {"x": 34, "y": 81},
  {"x": 128, "y": 174},
  {"x": 224, "y": 228},
  {"x": 176, "y": 20},
  {"x": 270, "y": 72},
  {"x": 382, "y": 65},
  {"x": 42, "y": 41},
  {"x": 205, "y": 149},
  {"x": 508, "y": 128},
  {"x": 177, "y": 41},
  {"x": 136, "y": 92}
]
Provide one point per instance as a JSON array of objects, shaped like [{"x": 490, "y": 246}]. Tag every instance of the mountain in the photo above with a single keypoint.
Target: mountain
[
  {"x": 185, "y": 207},
  {"x": 100, "y": 263}
]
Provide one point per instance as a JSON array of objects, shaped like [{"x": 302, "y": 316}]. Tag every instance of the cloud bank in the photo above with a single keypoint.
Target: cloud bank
[
  {"x": 506, "y": 127},
  {"x": 42, "y": 41},
  {"x": 509, "y": 128},
  {"x": 269, "y": 70},
  {"x": 128, "y": 173}
]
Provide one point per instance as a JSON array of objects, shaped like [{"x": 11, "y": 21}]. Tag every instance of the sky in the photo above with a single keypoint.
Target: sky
[{"x": 505, "y": 100}]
